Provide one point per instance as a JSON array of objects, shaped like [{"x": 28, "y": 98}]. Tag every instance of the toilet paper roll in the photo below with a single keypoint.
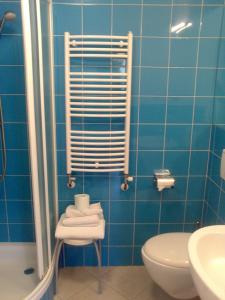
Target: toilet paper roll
[
  {"x": 82, "y": 201},
  {"x": 165, "y": 183}
]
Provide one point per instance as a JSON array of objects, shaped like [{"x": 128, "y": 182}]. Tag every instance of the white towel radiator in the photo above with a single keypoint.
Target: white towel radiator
[{"x": 98, "y": 95}]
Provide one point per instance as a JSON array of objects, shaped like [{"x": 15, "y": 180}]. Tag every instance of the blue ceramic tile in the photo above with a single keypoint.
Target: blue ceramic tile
[
  {"x": 165, "y": 228},
  {"x": 74, "y": 256},
  {"x": 121, "y": 234},
  {"x": 151, "y": 137},
  {"x": 132, "y": 162},
  {"x": 3, "y": 218},
  {"x": 201, "y": 137},
  {"x": 219, "y": 139},
  {"x": 148, "y": 161},
  {"x": 187, "y": 1},
  {"x": 4, "y": 233},
  {"x": 146, "y": 189},
  {"x": 198, "y": 162},
  {"x": 63, "y": 205},
  {"x": 178, "y": 192},
  {"x": 21, "y": 187},
  {"x": 122, "y": 212},
  {"x": 181, "y": 82},
  {"x": 222, "y": 206},
  {"x": 96, "y": 19},
  {"x": 155, "y": 52},
  {"x": 16, "y": 136},
  {"x": 196, "y": 188},
  {"x": 14, "y": 27},
  {"x": 120, "y": 256},
  {"x": 9, "y": 74},
  {"x": 59, "y": 50},
  {"x": 132, "y": 21},
  {"x": 143, "y": 232},
  {"x": 151, "y": 17},
  {"x": 116, "y": 193},
  {"x": 203, "y": 110},
  {"x": 137, "y": 256},
  {"x": 213, "y": 1},
  {"x": 177, "y": 162},
  {"x": 153, "y": 81},
  {"x": 134, "y": 109},
  {"x": 219, "y": 86},
  {"x": 211, "y": 23},
  {"x": 59, "y": 80},
  {"x": 92, "y": 187},
  {"x": 219, "y": 107},
  {"x": 193, "y": 211},
  {"x": 126, "y": 1},
  {"x": 212, "y": 195},
  {"x": 178, "y": 137},
  {"x": 190, "y": 227},
  {"x": 157, "y": 1},
  {"x": 152, "y": 110},
  {"x": 19, "y": 212},
  {"x": 183, "y": 52},
  {"x": 94, "y": 1},
  {"x": 21, "y": 232},
  {"x": 208, "y": 58},
  {"x": 2, "y": 191},
  {"x": 90, "y": 258},
  {"x": 72, "y": 22},
  {"x": 133, "y": 137},
  {"x": 60, "y": 136},
  {"x": 14, "y": 108},
  {"x": 186, "y": 14},
  {"x": 221, "y": 58},
  {"x": 61, "y": 162},
  {"x": 210, "y": 217},
  {"x": 172, "y": 212},
  {"x": 12, "y": 50},
  {"x": 147, "y": 212},
  {"x": 209, "y": 76},
  {"x": 17, "y": 166},
  {"x": 136, "y": 52},
  {"x": 179, "y": 110},
  {"x": 64, "y": 192},
  {"x": 214, "y": 169}
]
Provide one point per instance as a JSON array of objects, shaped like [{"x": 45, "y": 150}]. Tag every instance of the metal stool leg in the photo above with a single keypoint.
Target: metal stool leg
[
  {"x": 99, "y": 257},
  {"x": 57, "y": 264}
]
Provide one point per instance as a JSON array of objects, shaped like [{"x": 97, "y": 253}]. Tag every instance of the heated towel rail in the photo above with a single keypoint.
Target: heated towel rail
[{"x": 98, "y": 94}]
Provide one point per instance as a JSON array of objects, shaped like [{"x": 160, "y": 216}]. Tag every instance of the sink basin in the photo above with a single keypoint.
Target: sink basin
[{"x": 206, "y": 249}]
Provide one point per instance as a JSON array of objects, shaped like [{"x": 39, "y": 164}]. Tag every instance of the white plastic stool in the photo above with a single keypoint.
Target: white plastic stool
[{"x": 98, "y": 249}]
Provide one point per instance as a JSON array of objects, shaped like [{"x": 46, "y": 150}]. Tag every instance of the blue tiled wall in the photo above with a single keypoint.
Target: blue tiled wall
[
  {"x": 214, "y": 208},
  {"x": 16, "y": 217},
  {"x": 172, "y": 103}
]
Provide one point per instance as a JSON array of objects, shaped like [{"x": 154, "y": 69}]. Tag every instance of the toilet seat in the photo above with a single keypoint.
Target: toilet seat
[{"x": 170, "y": 249}]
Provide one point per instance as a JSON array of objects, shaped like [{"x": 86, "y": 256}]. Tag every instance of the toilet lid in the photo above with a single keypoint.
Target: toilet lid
[{"x": 169, "y": 249}]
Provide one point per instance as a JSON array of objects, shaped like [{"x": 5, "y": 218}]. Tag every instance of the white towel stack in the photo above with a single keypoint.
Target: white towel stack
[{"x": 89, "y": 217}]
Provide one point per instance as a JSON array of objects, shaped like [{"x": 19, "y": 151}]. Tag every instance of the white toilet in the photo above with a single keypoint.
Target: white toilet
[{"x": 165, "y": 257}]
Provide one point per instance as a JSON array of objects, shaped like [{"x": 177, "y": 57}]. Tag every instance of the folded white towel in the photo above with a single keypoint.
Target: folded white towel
[
  {"x": 82, "y": 221},
  {"x": 80, "y": 233},
  {"x": 94, "y": 209}
]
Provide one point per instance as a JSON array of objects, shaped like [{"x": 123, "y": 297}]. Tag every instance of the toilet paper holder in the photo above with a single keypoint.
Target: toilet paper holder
[{"x": 163, "y": 179}]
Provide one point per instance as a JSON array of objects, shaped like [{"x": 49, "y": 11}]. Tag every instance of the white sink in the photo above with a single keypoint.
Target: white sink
[{"x": 206, "y": 249}]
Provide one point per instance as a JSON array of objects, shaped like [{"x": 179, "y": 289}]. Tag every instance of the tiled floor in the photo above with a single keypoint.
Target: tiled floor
[{"x": 119, "y": 283}]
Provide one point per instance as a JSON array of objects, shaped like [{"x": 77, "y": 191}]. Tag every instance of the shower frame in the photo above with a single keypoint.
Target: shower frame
[{"x": 36, "y": 113}]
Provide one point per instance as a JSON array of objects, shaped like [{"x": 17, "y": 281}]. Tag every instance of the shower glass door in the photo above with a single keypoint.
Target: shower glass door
[{"x": 36, "y": 16}]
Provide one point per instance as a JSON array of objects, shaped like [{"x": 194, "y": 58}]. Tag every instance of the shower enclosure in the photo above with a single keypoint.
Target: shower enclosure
[{"x": 23, "y": 265}]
